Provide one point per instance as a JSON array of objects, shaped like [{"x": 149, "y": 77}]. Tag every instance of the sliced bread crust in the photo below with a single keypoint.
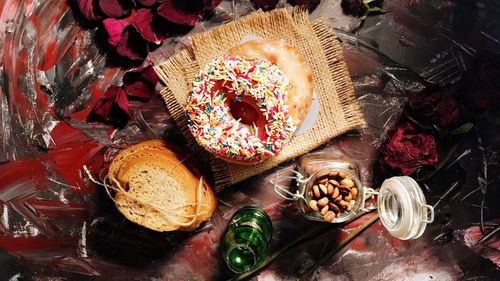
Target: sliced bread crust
[{"x": 159, "y": 191}]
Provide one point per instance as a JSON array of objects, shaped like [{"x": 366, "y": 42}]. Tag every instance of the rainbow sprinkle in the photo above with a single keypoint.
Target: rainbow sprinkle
[{"x": 211, "y": 122}]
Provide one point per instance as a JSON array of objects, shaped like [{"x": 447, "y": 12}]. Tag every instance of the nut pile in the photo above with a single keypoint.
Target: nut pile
[{"x": 333, "y": 193}]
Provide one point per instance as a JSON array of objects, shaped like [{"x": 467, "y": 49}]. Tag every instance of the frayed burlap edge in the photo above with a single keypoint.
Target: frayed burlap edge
[{"x": 332, "y": 82}]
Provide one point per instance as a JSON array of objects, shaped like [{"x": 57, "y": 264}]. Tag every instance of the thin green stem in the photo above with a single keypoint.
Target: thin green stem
[
  {"x": 298, "y": 243},
  {"x": 441, "y": 163},
  {"x": 339, "y": 247}
]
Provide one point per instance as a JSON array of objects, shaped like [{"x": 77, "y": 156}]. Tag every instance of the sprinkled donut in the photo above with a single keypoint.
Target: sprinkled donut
[{"x": 238, "y": 109}]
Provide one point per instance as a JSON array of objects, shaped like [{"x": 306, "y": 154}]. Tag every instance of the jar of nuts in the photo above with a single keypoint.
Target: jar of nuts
[{"x": 330, "y": 190}]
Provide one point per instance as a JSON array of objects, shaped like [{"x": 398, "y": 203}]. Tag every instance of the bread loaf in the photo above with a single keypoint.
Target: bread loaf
[{"x": 155, "y": 188}]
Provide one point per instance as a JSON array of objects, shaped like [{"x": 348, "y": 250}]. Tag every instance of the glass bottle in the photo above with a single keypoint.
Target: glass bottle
[
  {"x": 246, "y": 240},
  {"x": 400, "y": 201}
]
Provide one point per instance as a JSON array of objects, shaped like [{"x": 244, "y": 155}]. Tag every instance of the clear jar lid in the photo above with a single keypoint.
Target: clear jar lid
[{"x": 402, "y": 208}]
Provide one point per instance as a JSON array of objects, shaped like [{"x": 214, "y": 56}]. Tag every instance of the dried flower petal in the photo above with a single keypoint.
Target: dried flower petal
[
  {"x": 87, "y": 8},
  {"x": 114, "y": 28},
  {"x": 406, "y": 151},
  {"x": 176, "y": 15},
  {"x": 144, "y": 24},
  {"x": 141, "y": 82},
  {"x": 112, "y": 107},
  {"x": 147, "y": 3},
  {"x": 132, "y": 45},
  {"x": 113, "y": 8},
  {"x": 265, "y": 4}
]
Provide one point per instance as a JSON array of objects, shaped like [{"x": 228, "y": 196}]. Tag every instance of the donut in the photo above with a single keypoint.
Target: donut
[
  {"x": 292, "y": 63},
  {"x": 238, "y": 109}
]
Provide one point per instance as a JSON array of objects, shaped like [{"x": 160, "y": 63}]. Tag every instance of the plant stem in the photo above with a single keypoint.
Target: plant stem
[
  {"x": 298, "y": 243},
  {"x": 441, "y": 163},
  {"x": 339, "y": 247}
]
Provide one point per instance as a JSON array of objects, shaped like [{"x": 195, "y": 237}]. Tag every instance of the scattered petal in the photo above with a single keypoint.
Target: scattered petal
[
  {"x": 143, "y": 23},
  {"x": 87, "y": 8},
  {"x": 114, "y": 28},
  {"x": 266, "y": 4},
  {"x": 140, "y": 83},
  {"x": 112, "y": 8},
  {"x": 176, "y": 15},
  {"x": 132, "y": 45},
  {"x": 112, "y": 107},
  {"x": 147, "y": 3}
]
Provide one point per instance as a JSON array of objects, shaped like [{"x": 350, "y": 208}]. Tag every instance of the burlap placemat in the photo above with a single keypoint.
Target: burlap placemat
[{"x": 339, "y": 110}]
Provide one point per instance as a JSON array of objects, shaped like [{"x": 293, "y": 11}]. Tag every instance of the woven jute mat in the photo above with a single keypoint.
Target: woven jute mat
[{"x": 316, "y": 41}]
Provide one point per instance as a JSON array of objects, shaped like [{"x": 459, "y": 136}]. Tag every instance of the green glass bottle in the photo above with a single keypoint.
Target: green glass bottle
[{"x": 246, "y": 240}]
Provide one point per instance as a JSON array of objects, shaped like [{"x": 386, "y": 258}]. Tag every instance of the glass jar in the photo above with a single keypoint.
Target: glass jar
[
  {"x": 246, "y": 240},
  {"x": 324, "y": 194}
]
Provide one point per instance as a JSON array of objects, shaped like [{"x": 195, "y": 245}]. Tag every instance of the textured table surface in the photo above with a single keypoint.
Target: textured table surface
[{"x": 56, "y": 225}]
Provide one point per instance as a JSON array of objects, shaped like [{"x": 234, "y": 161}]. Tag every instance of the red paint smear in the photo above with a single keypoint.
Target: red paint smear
[
  {"x": 55, "y": 208},
  {"x": 19, "y": 171},
  {"x": 68, "y": 159},
  {"x": 18, "y": 245},
  {"x": 199, "y": 246},
  {"x": 96, "y": 93},
  {"x": 50, "y": 57},
  {"x": 63, "y": 133}
]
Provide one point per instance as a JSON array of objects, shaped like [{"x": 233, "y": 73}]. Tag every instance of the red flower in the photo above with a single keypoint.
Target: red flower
[
  {"x": 406, "y": 151},
  {"x": 141, "y": 82},
  {"x": 112, "y": 107},
  {"x": 430, "y": 107}
]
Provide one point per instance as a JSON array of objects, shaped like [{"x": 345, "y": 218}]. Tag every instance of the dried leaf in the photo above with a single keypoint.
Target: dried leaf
[{"x": 465, "y": 128}]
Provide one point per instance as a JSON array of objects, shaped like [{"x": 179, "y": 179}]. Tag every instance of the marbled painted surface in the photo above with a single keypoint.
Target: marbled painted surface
[{"x": 64, "y": 227}]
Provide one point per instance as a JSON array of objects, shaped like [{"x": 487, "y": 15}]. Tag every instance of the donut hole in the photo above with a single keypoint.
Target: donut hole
[{"x": 243, "y": 110}]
